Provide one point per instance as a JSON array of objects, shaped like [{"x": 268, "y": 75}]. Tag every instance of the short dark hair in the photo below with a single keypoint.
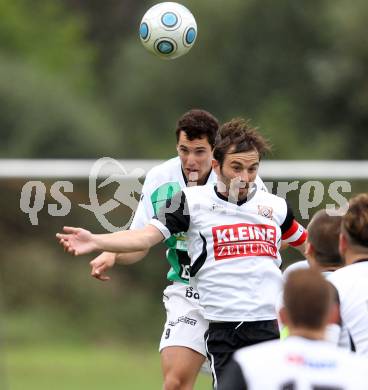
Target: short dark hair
[
  {"x": 355, "y": 221},
  {"x": 308, "y": 298},
  {"x": 323, "y": 234},
  {"x": 239, "y": 136},
  {"x": 196, "y": 124}
]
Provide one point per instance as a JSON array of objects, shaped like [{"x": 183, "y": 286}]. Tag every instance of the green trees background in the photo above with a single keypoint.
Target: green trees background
[{"x": 75, "y": 82}]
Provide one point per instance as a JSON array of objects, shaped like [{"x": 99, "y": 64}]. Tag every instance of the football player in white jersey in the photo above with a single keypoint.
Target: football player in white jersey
[
  {"x": 182, "y": 345},
  {"x": 322, "y": 252},
  {"x": 234, "y": 235},
  {"x": 322, "y": 248},
  {"x": 304, "y": 360},
  {"x": 351, "y": 281}
]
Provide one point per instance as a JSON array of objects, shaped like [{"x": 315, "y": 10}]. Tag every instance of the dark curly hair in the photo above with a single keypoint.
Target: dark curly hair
[
  {"x": 196, "y": 124},
  {"x": 239, "y": 136},
  {"x": 355, "y": 221}
]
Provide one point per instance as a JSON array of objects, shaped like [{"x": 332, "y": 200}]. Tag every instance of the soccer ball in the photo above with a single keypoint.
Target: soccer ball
[{"x": 168, "y": 30}]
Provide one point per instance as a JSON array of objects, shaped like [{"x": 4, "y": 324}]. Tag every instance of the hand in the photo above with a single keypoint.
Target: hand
[
  {"x": 101, "y": 264},
  {"x": 76, "y": 241}
]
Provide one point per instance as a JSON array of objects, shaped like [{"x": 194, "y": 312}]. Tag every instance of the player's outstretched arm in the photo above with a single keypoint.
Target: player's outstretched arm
[
  {"x": 107, "y": 260},
  {"x": 78, "y": 241}
]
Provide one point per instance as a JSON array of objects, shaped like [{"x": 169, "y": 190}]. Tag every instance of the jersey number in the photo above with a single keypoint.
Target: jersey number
[{"x": 185, "y": 272}]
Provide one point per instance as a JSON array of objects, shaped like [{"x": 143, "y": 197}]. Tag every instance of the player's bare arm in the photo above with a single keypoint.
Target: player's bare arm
[
  {"x": 107, "y": 260},
  {"x": 78, "y": 241},
  {"x": 301, "y": 248}
]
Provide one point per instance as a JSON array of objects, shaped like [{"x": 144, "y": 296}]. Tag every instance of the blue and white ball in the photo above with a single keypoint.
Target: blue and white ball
[{"x": 168, "y": 30}]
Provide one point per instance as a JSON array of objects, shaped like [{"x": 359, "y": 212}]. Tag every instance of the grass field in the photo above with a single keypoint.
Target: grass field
[{"x": 83, "y": 367}]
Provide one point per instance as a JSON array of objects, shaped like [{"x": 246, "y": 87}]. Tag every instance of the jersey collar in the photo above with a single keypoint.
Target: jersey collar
[
  {"x": 222, "y": 197},
  {"x": 186, "y": 180}
]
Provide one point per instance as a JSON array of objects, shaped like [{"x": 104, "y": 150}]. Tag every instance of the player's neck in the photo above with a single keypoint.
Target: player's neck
[
  {"x": 353, "y": 257},
  {"x": 311, "y": 334},
  {"x": 198, "y": 181},
  {"x": 203, "y": 181},
  {"x": 329, "y": 267}
]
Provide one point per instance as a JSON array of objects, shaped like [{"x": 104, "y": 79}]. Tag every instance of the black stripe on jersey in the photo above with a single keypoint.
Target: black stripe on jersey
[
  {"x": 233, "y": 378},
  {"x": 198, "y": 263},
  {"x": 286, "y": 225},
  {"x": 175, "y": 215},
  {"x": 352, "y": 344}
]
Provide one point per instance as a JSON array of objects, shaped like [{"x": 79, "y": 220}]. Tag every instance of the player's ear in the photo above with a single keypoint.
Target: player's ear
[
  {"x": 309, "y": 252},
  {"x": 215, "y": 165},
  {"x": 342, "y": 244},
  {"x": 309, "y": 249}
]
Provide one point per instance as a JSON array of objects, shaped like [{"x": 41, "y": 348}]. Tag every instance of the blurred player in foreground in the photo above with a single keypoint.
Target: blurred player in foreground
[
  {"x": 351, "y": 281},
  {"x": 304, "y": 360}
]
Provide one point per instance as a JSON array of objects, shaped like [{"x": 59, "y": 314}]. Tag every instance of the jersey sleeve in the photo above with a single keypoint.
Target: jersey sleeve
[
  {"x": 173, "y": 217},
  {"x": 144, "y": 211},
  {"x": 292, "y": 231}
]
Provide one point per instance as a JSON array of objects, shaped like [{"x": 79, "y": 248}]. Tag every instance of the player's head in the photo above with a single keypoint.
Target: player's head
[
  {"x": 322, "y": 249},
  {"x": 195, "y": 135},
  {"x": 354, "y": 230},
  {"x": 237, "y": 153},
  {"x": 308, "y": 301}
]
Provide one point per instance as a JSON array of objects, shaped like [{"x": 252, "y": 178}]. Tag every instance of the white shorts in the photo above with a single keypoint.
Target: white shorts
[{"x": 185, "y": 325}]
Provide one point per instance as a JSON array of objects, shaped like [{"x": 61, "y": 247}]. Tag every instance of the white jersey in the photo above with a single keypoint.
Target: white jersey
[
  {"x": 301, "y": 264},
  {"x": 234, "y": 249},
  {"x": 300, "y": 364},
  {"x": 351, "y": 283},
  {"x": 162, "y": 183},
  {"x": 334, "y": 333}
]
